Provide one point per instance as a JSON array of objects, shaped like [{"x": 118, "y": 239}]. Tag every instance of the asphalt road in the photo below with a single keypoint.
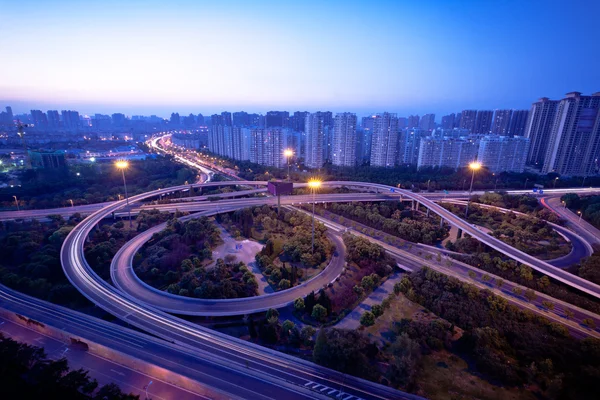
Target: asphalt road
[
  {"x": 581, "y": 226},
  {"x": 103, "y": 370}
]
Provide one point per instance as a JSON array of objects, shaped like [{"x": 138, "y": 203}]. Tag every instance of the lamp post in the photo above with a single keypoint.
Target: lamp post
[
  {"x": 314, "y": 185},
  {"x": 474, "y": 167},
  {"x": 428, "y": 182},
  {"x": 72, "y": 205},
  {"x": 525, "y": 185},
  {"x": 146, "y": 388},
  {"x": 122, "y": 165},
  {"x": 288, "y": 153},
  {"x": 555, "y": 179},
  {"x": 17, "y": 203}
]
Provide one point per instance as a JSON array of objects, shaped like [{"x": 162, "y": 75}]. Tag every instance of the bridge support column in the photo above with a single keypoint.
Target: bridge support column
[
  {"x": 441, "y": 222},
  {"x": 412, "y": 205}
]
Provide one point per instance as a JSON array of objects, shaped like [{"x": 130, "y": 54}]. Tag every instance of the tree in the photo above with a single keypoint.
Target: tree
[
  {"x": 359, "y": 290},
  {"x": 548, "y": 304},
  {"x": 517, "y": 290},
  {"x": 272, "y": 313},
  {"x": 499, "y": 283},
  {"x": 367, "y": 318},
  {"x": 367, "y": 283},
  {"x": 345, "y": 350},
  {"x": 287, "y": 326},
  {"x": 590, "y": 323},
  {"x": 377, "y": 310},
  {"x": 530, "y": 295},
  {"x": 299, "y": 304},
  {"x": 284, "y": 284},
  {"x": 472, "y": 274},
  {"x": 486, "y": 278},
  {"x": 569, "y": 314},
  {"x": 319, "y": 312},
  {"x": 306, "y": 334},
  {"x": 397, "y": 288}
]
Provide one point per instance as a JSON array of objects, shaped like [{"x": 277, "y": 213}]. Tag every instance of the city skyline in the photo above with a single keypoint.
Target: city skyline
[{"x": 155, "y": 60}]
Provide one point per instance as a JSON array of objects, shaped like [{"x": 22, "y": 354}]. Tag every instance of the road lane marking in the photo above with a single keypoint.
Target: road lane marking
[{"x": 117, "y": 372}]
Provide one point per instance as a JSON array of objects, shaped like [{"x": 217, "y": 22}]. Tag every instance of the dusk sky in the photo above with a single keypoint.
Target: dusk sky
[{"x": 361, "y": 56}]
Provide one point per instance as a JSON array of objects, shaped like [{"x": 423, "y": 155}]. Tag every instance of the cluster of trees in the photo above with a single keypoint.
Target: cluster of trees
[
  {"x": 368, "y": 318},
  {"x": 108, "y": 238},
  {"x": 93, "y": 183},
  {"x": 161, "y": 260},
  {"x": 588, "y": 205},
  {"x": 393, "y": 219},
  {"x": 510, "y": 270},
  {"x": 228, "y": 279},
  {"x": 524, "y": 203},
  {"x": 271, "y": 330},
  {"x": 529, "y": 234},
  {"x": 511, "y": 345},
  {"x": 31, "y": 259},
  {"x": 288, "y": 242},
  {"x": 589, "y": 267},
  {"x": 369, "y": 263},
  {"x": 26, "y": 372}
]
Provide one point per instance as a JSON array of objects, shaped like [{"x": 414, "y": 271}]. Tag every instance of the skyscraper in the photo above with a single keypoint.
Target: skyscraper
[
  {"x": 574, "y": 143},
  {"x": 226, "y": 118},
  {"x": 70, "y": 120},
  {"x": 266, "y": 146},
  {"x": 413, "y": 121},
  {"x": 118, "y": 120},
  {"x": 518, "y": 122},
  {"x": 314, "y": 151},
  {"x": 385, "y": 140},
  {"x": 298, "y": 121},
  {"x": 447, "y": 152},
  {"x": 40, "y": 121},
  {"x": 538, "y": 129},
  {"x": 501, "y": 122},
  {"x": 277, "y": 119},
  {"x": 467, "y": 120},
  {"x": 241, "y": 119},
  {"x": 427, "y": 122},
  {"x": 448, "y": 121},
  {"x": 344, "y": 140},
  {"x": 53, "y": 119},
  {"x": 409, "y": 141},
  {"x": 503, "y": 153},
  {"x": 483, "y": 121},
  {"x": 175, "y": 120}
]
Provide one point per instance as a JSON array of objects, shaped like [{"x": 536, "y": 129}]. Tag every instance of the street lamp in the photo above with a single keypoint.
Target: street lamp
[
  {"x": 525, "y": 185},
  {"x": 146, "y": 388},
  {"x": 314, "y": 184},
  {"x": 555, "y": 179},
  {"x": 72, "y": 205},
  {"x": 288, "y": 153},
  {"x": 122, "y": 165},
  {"x": 580, "y": 215},
  {"x": 17, "y": 203},
  {"x": 475, "y": 166}
]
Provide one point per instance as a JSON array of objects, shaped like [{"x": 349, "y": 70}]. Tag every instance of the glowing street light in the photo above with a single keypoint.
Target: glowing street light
[
  {"x": 72, "y": 205},
  {"x": 580, "y": 215},
  {"x": 288, "y": 153},
  {"x": 475, "y": 166},
  {"x": 555, "y": 180},
  {"x": 314, "y": 184},
  {"x": 122, "y": 165},
  {"x": 17, "y": 203}
]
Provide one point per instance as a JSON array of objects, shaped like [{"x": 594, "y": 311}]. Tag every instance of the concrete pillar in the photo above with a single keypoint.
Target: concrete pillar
[
  {"x": 428, "y": 213},
  {"x": 441, "y": 223}
]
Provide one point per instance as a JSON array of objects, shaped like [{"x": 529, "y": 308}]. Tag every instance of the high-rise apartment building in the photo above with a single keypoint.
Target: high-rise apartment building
[
  {"x": 344, "y": 140},
  {"x": 408, "y": 146},
  {"x": 40, "y": 120},
  {"x": 241, "y": 119},
  {"x": 402, "y": 122},
  {"x": 314, "y": 142},
  {"x": 53, "y": 119},
  {"x": 70, "y": 120},
  {"x": 518, "y": 122},
  {"x": 175, "y": 120},
  {"x": 384, "y": 140},
  {"x": 447, "y": 152},
  {"x": 503, "y": 153},
  {"x": 501, "y": 122},
  {"x": 298, "y": 121},
  {"x": 574, "y": 143},
  {"x": 277, "y": 119},
  {"x": 483, "y": 121},
  {"x": 467, "y": 120},
  {"x": 538, "y": 129},
  {"x": 118, "y": 120},
  {"x": 448, "y": 121},
  {"x": 266, "y": 146},
  {"x": 413, "y": 121},
  {"x": 427, "y": 122}
]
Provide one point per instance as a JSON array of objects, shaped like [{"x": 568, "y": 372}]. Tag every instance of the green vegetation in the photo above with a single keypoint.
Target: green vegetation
[
  {"x": 511, "y": 345},
  {"x": 589, "y": 267},
  {"x": 31, "y": 260},
  {"x": 588, "y": 205},
  {"x": 178, "y": 259},
  {"x": 286, "y": 258},
  {"x": 367, "y": 266},
  {"x": 529, "y": 234},
  {"x": 95, "y": 183},
  {"x": 27, "y": 373},
  {"x": 392, "y": 218},
  {"x": 270, "y": 331}
]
